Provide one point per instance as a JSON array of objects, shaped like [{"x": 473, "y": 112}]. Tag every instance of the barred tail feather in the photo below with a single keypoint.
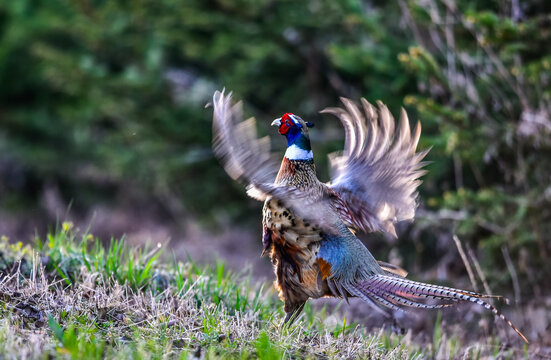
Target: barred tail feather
[
  {"x": 393, "y": 291},
  {"x": 415, "y": 288},
  {"x": 393, "y": 300},
  {"x": 372, "y": 300},
  {"x": 402, "y": 300}
]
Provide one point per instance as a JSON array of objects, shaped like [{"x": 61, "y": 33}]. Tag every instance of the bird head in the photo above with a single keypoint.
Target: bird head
[
  {"x": 295, "y": 131},
  {"x": 291, "y": 126}
]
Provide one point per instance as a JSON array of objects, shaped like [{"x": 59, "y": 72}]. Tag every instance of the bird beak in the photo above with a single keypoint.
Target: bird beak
[{"x": 276, "y": 122}]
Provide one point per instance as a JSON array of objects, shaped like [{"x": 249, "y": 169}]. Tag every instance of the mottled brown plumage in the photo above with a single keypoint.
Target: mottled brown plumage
[{"x": 293, "y": 243}]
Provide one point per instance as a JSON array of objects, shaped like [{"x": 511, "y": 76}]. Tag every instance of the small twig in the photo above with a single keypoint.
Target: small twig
[
  {"x": 18, "y": 273},
  {"x": 411, "y": 23},
  {"x": 512, "y": 271},
  {"x": 516, "y": 12},
  {"x": 477, "y": 175},
  {"x": 492, "y": 227},
  {"x": 539, "y": 239},
  {"x": 34, "y": 267},
  {"x": 502, "y": 70},
  {"x": 479, "y": 272},
  {"x": 458, "y": 170},
  {"x": 465, "y": 261},
  {"x": 442, "y": 215},
  {"x": 450, "y": 55}
]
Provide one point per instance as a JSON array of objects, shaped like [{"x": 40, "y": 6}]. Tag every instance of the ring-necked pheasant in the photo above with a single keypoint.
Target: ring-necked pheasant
[{"x": 306, "y": 223}]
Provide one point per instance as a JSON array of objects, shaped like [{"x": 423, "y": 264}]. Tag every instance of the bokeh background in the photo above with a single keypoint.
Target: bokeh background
[{"x": 103, "y": 122}]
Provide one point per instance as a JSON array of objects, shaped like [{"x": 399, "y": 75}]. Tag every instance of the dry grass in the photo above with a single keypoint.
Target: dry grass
[{"x": 71, "y": 297}]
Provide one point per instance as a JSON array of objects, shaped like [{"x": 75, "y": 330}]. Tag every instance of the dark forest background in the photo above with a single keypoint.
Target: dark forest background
[{"x": 103, "y": 119}]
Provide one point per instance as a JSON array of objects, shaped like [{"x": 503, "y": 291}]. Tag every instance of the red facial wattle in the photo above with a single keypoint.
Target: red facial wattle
[
  {"x": 284, "y": 128},
  {"x": 286, "y": 124}
]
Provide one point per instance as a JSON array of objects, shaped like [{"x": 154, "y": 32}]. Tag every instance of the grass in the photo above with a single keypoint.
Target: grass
[{"x": 69, "y": 296}]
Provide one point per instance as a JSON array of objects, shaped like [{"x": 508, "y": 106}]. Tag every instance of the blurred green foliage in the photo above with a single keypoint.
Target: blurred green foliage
[
  {"x": 485, "y": 74},
  {"x": 104, "y": 98},
  {"x": 99, "y": 95}
]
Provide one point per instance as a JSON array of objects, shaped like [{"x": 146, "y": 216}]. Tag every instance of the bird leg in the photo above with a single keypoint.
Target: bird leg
[{"x": 293, "y": 314}]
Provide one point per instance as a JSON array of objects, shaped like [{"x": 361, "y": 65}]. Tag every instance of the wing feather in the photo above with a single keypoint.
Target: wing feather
[
  {"x": 375, "y": 178},
  {"x": 245, "y": 157}
]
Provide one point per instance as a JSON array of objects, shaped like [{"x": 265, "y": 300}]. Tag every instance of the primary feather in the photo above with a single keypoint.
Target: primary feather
[
  {"x": 306, "y": 223},
  {"x": 377, "y": 174}
]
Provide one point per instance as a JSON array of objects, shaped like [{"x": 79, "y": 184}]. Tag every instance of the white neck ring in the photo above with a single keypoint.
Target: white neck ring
[{"x": 296, "y": 153}]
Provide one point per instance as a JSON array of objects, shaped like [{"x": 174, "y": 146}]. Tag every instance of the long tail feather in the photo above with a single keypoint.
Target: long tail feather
[
  {"x": 407, "y": 302},
  {"x": 370, "y": 299},
  {"x": 392, "y": 283},
  {"x": 373, "y": 296},
  {"x": 392, "y": 291}
]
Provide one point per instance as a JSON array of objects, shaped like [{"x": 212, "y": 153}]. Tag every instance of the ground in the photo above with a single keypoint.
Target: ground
[{"x": 67, "y": 295}]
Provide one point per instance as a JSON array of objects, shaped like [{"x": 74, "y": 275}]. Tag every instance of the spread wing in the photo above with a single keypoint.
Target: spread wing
[
  {"x": 375, "y": 178},
  {"x": 247, "y": 159}
]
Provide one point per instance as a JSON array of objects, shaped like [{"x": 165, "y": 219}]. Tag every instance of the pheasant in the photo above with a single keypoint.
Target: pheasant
[{"x": 308, "y": 225}]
